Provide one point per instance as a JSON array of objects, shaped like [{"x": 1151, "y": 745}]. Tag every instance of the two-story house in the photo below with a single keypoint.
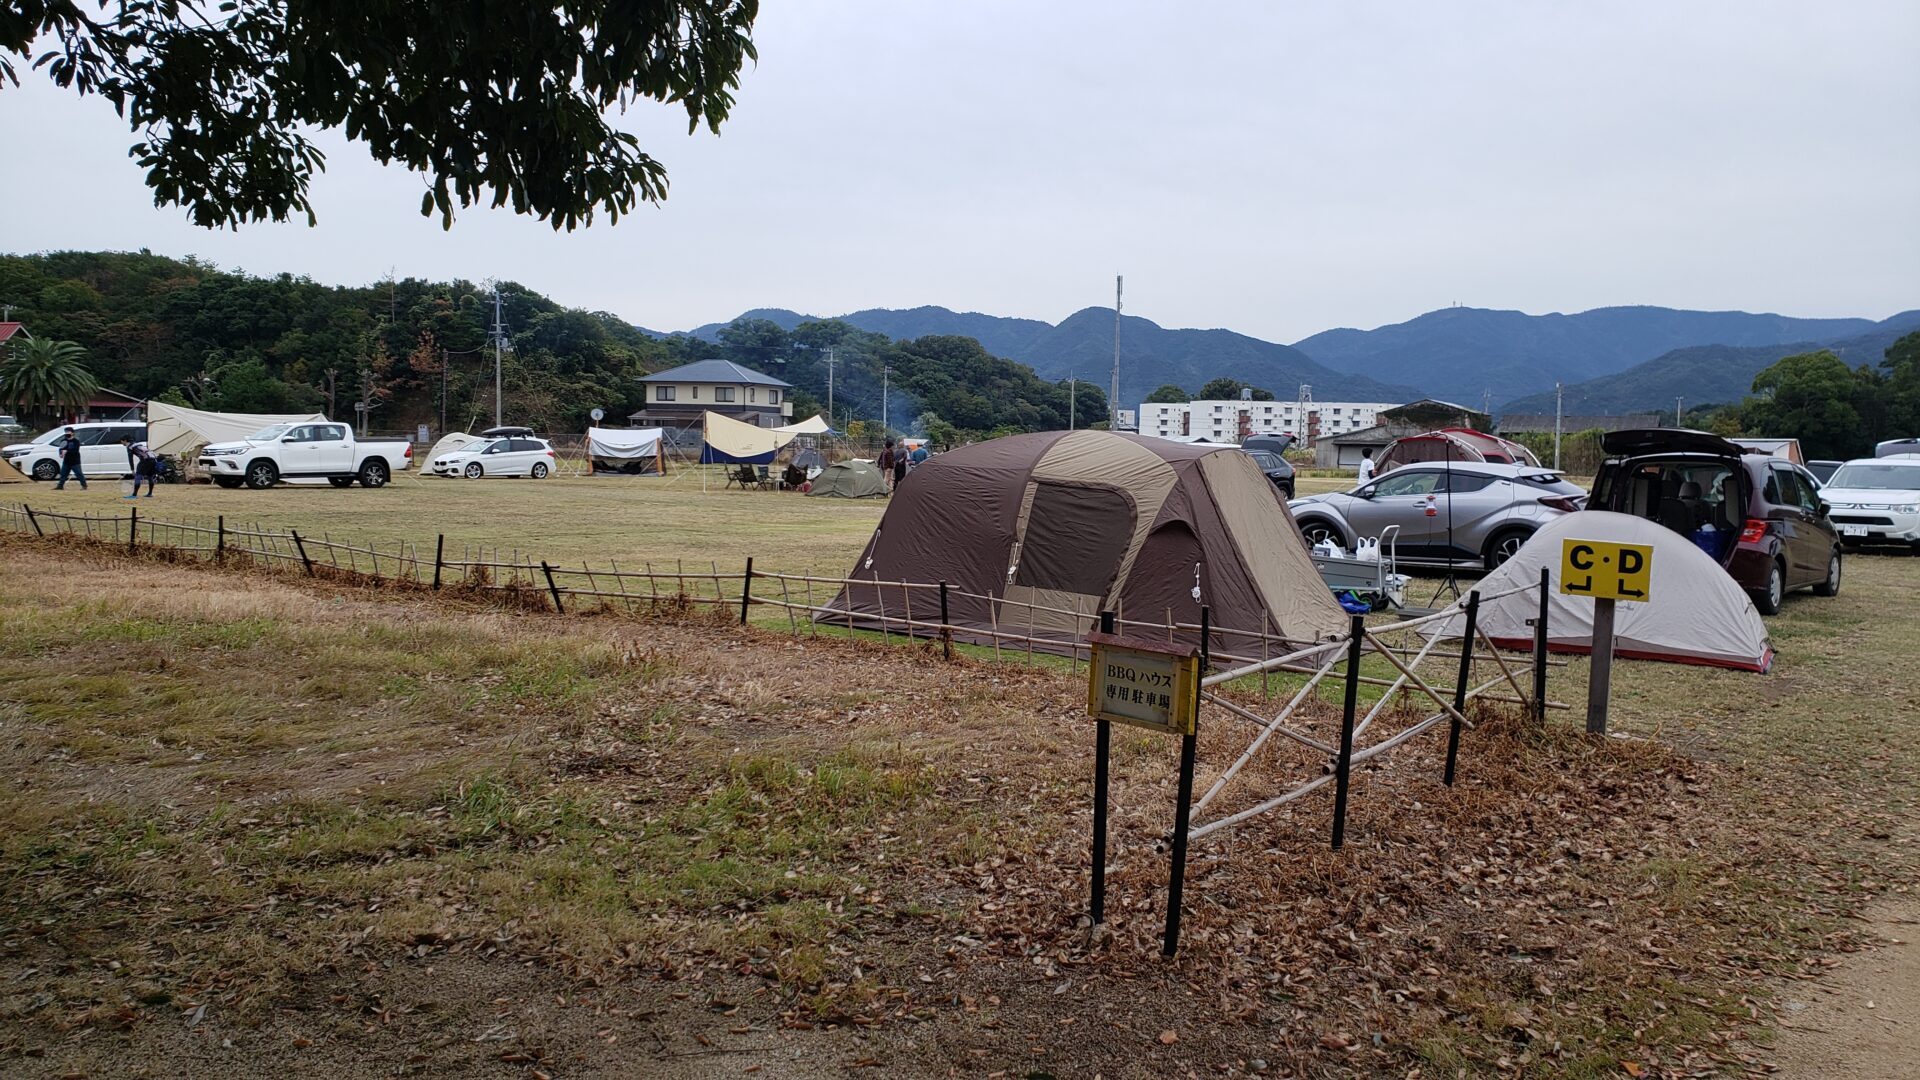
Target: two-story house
[{"x": 679, "y": 395}]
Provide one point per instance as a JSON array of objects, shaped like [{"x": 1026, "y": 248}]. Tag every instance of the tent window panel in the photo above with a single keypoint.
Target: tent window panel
[{"x": 1075, "y": 538}]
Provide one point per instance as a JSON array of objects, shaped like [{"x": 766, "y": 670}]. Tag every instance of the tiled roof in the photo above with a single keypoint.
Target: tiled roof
[{"x": 713, "y": 371}]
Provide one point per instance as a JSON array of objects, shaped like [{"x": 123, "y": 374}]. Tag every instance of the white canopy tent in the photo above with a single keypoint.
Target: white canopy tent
[
  {"x": 628, "y": 450},
  {"x": 1696, "y": 614},
  {"x": 176, "y": 429},
  {"x": 450, "y": 442}
]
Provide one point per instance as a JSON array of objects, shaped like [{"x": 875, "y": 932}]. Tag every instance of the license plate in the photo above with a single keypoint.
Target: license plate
[{"x": 1853, "y": 530}]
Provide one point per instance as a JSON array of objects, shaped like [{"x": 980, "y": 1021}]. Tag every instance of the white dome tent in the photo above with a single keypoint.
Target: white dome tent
[{"x": 1697, "y": 614}]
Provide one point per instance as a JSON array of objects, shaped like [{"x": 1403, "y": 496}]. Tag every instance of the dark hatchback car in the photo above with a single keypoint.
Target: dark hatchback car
[
  {"x": 1761, "y": 517},
  {"x": 1270, "y": 453}
]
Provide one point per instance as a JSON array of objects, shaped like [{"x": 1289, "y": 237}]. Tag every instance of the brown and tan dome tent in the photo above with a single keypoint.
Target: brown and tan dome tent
[{"x": 1055, "y": 527}]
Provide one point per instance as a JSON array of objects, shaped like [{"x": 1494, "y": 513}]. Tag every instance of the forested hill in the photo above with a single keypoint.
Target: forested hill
[
  {"x": 1709, "y": 374},
  {"x": 1082, "y": 345},
  {"x": 186, "y": 331},
  {"x": 1461, "y": 353}
]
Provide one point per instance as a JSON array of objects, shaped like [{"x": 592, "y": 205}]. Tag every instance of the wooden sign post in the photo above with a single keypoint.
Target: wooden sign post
[
  {"x": 1607, "y": 572},
  {"x": 1153, "y": 685}
]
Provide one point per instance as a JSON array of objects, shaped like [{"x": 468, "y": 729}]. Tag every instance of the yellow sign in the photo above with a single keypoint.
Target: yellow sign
[
  {"x": 1134, "y": 683},
  {"x": 1606, "y": 571}
]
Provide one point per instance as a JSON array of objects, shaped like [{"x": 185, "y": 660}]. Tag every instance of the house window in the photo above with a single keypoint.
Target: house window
[
  {"x": 663, "y": 393},
  {"x": 773, "y": 397},
  {"x": 752, "y": 395},
  {"x": 723, "y": 393},
  {"x": 696, "y": 392}
]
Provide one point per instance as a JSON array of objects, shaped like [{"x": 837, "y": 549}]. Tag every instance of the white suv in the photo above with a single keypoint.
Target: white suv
[
  {"x": 518, "y": 456},
  {"x": 1876, "y": 500},
  {"x": 101, "y": 455}
]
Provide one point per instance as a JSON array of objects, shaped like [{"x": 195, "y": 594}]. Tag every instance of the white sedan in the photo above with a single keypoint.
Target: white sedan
[
  {"x": 497, "y": 457},
  {"x": 1876, "y": 500}
]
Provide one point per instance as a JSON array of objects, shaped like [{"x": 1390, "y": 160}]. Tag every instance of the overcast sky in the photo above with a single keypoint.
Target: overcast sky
[{"x": 1274, "y": 169}]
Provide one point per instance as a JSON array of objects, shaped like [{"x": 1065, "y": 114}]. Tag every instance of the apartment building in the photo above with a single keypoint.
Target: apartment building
[{"x": 1231, "y": 421}]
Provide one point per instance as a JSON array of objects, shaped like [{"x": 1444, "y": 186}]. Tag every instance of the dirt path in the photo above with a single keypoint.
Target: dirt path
[{"x": 1861, "y": 1022}]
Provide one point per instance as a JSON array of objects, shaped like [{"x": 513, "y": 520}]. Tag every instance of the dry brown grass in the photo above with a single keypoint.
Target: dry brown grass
[{"x": 287, "y": 801}]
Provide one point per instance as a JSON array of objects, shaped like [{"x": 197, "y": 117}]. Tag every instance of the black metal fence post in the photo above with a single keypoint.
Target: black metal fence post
[
  {"x": 1460, "y": 686},
  {"x": 439, "y": 550},
  {"x": 31, "y": 520},
  {"x": 1102, "y": 742},
  {"x": 302, "y": 549},
  {"x": 1540, "y": 654},
  {"x": 1344, "y": 765},
  {"x": 220, "y": 538},
  {"x": 133, "y": 529},
  {"x": 746, "y": 590},
  {"x": 552, "y": 589},
  {"x": 946, "y": 631},
  {"x": 1182, "y": 808}
]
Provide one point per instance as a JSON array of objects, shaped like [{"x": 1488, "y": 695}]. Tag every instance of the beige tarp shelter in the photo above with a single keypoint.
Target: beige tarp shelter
[
  {"x": 727, "y": 441},
  {"x": 1051, "y": 528},
  {"x": 812, "y": 425},
  {"x": 1696, "y": 613},
  {"x": 176, "y": 429}
]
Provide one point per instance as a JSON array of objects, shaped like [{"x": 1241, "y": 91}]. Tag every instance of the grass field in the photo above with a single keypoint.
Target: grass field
[
  {"x": 255, "y": 823},
  {"x": 628, "y": 520}
]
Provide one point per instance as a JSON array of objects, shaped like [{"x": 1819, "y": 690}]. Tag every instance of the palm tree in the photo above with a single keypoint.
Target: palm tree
[{"x": 46, "y": 374}]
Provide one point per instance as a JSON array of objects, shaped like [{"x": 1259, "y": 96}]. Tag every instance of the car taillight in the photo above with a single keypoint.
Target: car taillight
[
  {"x": 409, "y": 452},
  {"x": 1755, "y": 531},
  {"x": 551, "y": 454},
  {"x": 1565, "y": 503}
]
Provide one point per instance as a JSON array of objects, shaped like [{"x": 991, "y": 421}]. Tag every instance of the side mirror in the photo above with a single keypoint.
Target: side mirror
[
  {"x": 1363, "y": 493},
  {"x": 1825, "y": 508},
  {"x": 290, "y": 438}
]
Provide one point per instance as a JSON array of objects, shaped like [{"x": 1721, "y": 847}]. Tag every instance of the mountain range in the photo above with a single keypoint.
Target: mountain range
[
  {"x": 1082, "y": 344},
  {"x": 1613, "y": 359}
]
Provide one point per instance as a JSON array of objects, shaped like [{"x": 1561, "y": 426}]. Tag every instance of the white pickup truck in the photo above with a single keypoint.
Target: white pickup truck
[{"x": 305, "y": 450}]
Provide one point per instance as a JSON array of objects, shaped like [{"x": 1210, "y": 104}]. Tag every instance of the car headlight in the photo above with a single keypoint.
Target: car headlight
[
  {"x": 217, "y": 453},
  {"x": 1905, "y": 509}
]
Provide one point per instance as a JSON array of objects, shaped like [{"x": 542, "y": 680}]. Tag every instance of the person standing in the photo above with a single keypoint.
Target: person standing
[
  {"x": 920, "y": 455},
  {"x": 1366, "y": 464},
  {"x": 146, "y": 465},
  {"x": 69, "y": 445},
  {"x": 886, "y": 463}
]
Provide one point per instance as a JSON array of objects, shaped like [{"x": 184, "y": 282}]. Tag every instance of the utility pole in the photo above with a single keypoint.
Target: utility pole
[
  {"x": 885, "y": 373},
  {"x": 829, "y": 386},
  {"x": 1072, "y": 385},
  {"x": 1557, "y": 412},
  {"x": 499, "y": 338},
  {"x": 443, "y": 390},
  {"x": 1679, "y": 414},
  {"x": 1113, "y": 392}
]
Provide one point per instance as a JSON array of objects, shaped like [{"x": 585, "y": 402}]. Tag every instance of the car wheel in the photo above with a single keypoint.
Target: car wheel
[
  {"x": 539, "y": 470},
  {"x": 45, "y": 470},
  {"x": 1316, "y": 530},
  {"x": 1831, "y": 586},
  {"x": 474, "y": 471},
  {"x": 1504, "y": 546},
  {"x": 1768, "y": 600},
  {"x": 262, "y": 475},
  {"x": 340, "y": 481},
  {"x": 373, "y": 474}
]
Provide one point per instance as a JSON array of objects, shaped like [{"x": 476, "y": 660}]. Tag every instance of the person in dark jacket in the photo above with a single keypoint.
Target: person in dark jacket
[
  {"x": 69, "y": 445},
  {"x": 889, "y": 460},
  {"x": 146, "y": 465}
]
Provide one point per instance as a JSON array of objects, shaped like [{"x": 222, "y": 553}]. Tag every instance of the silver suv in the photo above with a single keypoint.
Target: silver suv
[{"x": 1462, "y": 512}]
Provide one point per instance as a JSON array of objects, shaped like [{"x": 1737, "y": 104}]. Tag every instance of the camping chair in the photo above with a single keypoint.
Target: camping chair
[
  {"x": 742, "y": 475},
  {"x": 761, "y": 478}
]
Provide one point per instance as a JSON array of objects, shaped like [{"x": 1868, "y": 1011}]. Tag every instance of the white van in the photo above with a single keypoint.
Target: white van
[{"x": 101, "y": 455}]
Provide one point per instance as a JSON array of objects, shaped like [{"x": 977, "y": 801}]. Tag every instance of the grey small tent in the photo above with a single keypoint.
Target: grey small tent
[{"x": 854, "y": 479}]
